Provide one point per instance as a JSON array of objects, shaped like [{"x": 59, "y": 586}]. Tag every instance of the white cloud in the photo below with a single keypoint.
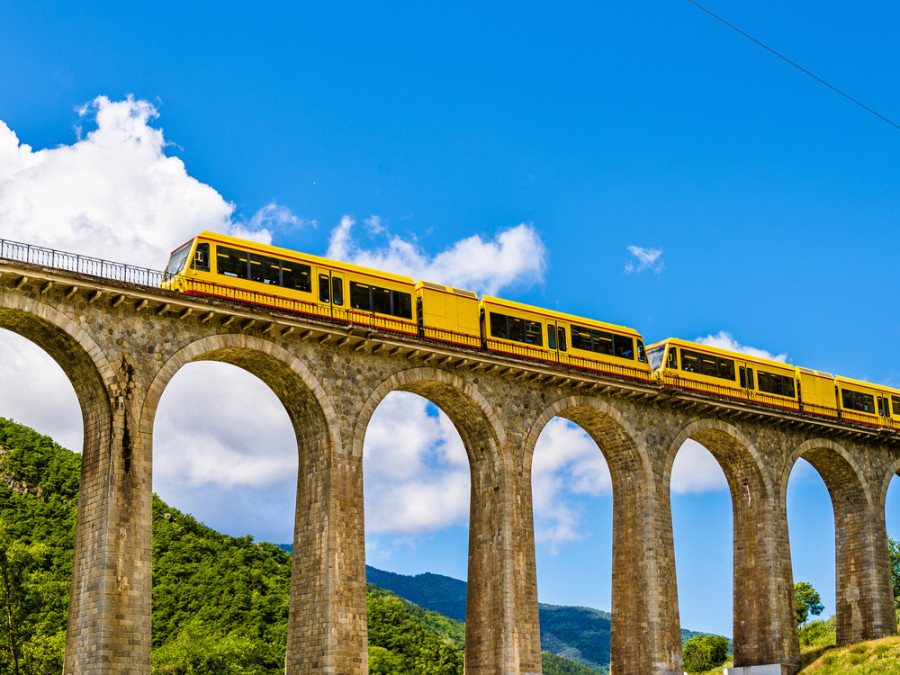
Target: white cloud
[
  {"x": 567, "y": 465},
  {"x": 201, "y": 438},
  {"x": 36, "y": 392},
  {"x": 724, "y": 340},
  {"x": 696, "y": 471},
  {"x": 416, "y": 469},
  {"x": 113, "y": 193},
  {"x": 646, "y": 258},
  {"x": 515, "y": 257}
]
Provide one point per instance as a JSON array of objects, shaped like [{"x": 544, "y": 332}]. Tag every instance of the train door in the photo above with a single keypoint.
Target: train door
[
  {"x": 557, "y": 341},
  {"x": 747, "y": 379},
  {"x": 331, "y": 293},
  {"x": 884, "y": 409}
]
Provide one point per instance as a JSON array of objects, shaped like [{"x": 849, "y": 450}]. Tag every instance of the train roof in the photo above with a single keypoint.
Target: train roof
[
  {"x": 867, "y": 385},
  {"x": 268, "y": 249},
  {"x": 772, "y": 363},
  {"x": 550, "y": 314}
]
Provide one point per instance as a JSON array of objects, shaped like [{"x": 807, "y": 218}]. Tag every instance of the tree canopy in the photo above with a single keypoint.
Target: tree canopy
[{"x": 806, "y": 601}]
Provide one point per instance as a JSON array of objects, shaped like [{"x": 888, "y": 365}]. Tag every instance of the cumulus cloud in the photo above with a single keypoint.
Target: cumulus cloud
[
  {"x": 416, "y": 469},
  {"x": 567, "y": 465},
  {"x": 725, "y": 340},
  {"x": 114, "y": 193},
  {"x": 37, "y": 393},
  {"x": 696, "y": 471},
  {"x": 515, "y": 257},
  {"x": 646, "y": 258},
  {"x": 202, "y": 439}
]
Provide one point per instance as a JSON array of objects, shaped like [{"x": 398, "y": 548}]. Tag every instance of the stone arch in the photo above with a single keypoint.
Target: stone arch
[
  {"x": 501, "y": 628},
  {"x": 863, "y": 611},
  {"x": 66, "y": 342},
  {"x": 881, "y": 497},
  {"x": 645, "y": 628},
  {"x": 835, "y": 464},
  {"x": 609, "y": 427},
  {"x": 468, "y": 409},
  {"x": 764, "y": 631},
  {"x": 290, "y": 379},
  {"x": 733, "y": 450},
  {"x": 325, "y": 583}
]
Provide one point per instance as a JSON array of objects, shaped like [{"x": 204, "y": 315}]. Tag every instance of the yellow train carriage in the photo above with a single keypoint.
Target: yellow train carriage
[
  {"x": 245, "y": 271},
  {"x": 448, "y": 314},
  {"x": 867, "y": 403},
  {"x": 689, "y": 365},
  {"x": 530, "y": 332},
  {"x": 817, "y": 395}
]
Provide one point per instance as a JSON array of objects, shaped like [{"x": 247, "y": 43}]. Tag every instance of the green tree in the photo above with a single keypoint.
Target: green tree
[
  {"x": 704, "y": 652},
  {"x": 894, "y": 548},
  {"x": 806, "y": 601}
]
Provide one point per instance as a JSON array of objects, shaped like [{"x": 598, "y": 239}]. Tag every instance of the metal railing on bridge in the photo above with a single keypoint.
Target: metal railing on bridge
[{"x": 82, "y": 264}]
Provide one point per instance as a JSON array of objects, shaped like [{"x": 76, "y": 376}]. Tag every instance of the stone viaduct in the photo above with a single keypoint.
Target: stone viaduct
[{"x": 121, "y": 343}]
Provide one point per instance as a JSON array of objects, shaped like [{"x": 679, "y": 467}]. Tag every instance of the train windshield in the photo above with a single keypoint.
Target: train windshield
[
  {"x": 656, "y": 357},
  {"x": 177, "y": 260}
]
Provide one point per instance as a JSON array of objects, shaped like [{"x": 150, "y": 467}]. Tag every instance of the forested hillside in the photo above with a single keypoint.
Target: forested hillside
[
  {"x": 220, "y": 603},
  {"x": 581, "y": 634}
]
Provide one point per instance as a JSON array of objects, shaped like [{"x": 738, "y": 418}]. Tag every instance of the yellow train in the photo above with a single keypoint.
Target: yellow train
[
  {"x": 680, "y": 364},
  {"x": 244, "y": 271}
]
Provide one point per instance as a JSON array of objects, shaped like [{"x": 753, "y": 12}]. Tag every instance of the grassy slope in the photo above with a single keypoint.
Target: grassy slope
[{"x": 876, "y": 656}]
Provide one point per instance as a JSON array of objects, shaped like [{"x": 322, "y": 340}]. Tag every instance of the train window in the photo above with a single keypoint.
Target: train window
[
  {"x": 177, "y": 260},
  {"x": 707, "y": 364},
  {"x": 324, "y": 294},
  {"x": 581, "y": 338},
  {"x": 672, "y": 359},
  {"x": 689, "y": 361},
  {"x": 642, "y": 355},
  {"x": 381, "y": 300},
  {"x": 201, "y": 258},
  {"x": 750, "y": 378},
  {"x": 534, "y": 335},
  {"x": 561, "y": 334},
  {"x": 401, "y": 304},
  {"x": 296, "y": 277},
  {"x": 337, "y": 291},
  {"x": 498, "y": 325},
  {"x": 776, "y": 384},
  {"x": 359, "y": 296},
  {"x": 264, "y": 270},
  {"x": 856, "y": 400},
  {"x": 602, "y": 342},
  {"x": 514, "y": 328},
  {"x": 896, "y": 402},
  {"x": 656, "y": 356},
  {"x": 725, "y": 368},
  {"x": 743, "y": 372},
  {"x": 551, "y": 337},
  {"x": 231, "y": 262}
]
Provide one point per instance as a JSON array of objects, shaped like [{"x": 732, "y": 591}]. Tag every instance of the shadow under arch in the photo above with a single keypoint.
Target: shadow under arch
[
  {"x": 94, "y": 380},
  {"x": 863, "y": 613},
  {"x": 311, "y": 616},
  {"x": 496, "y": 599},
  {"x": 764, "y": 630},
  {"x": 645, "y": 635}
]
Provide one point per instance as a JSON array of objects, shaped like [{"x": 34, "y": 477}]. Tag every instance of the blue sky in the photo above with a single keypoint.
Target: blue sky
[{"x": 641, "y": 164}]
